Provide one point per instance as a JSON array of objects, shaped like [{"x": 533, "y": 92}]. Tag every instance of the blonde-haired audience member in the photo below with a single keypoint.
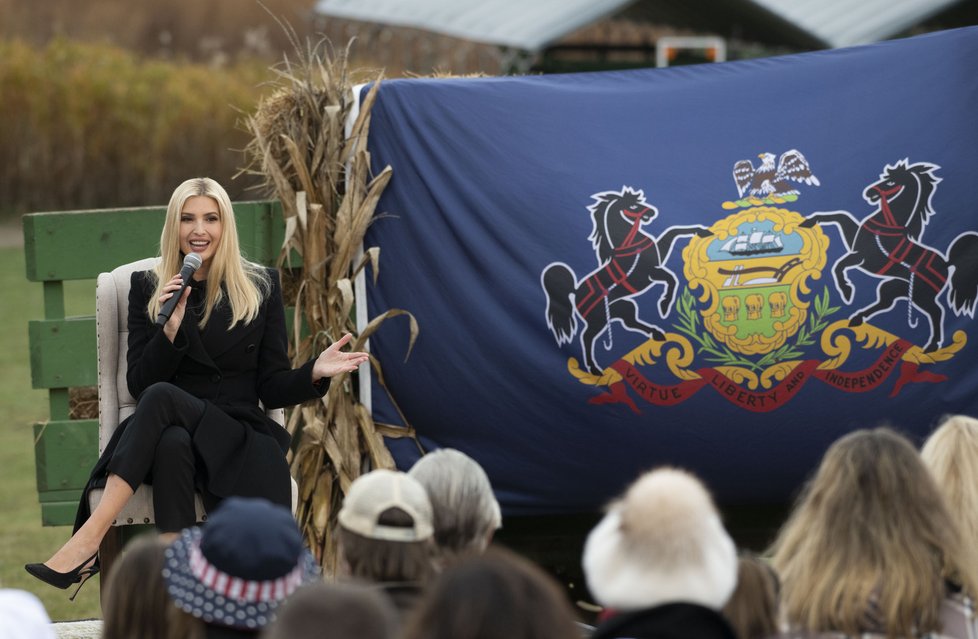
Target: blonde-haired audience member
[
  {"x": 871, "y": 547},
  {"x": 753, "y": 608},
  {"x": 951, "y": 454},
  {"x": 662, "y": 561},
  {"x": 493, "y": 595},
  {"x": 466, "y": 513}
]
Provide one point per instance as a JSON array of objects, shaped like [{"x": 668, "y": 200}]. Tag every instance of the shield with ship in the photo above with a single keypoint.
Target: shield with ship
[{"x": 753, "y": 275}]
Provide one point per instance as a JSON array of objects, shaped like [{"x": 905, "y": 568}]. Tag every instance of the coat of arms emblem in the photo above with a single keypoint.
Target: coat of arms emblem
[{"x": 755, "y": 319}]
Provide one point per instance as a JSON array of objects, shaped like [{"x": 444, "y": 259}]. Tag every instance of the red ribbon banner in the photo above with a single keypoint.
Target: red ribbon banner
[{"x": 861, "y": 381}]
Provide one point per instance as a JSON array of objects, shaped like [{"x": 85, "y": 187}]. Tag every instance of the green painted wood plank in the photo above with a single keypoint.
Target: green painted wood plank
[
  {"x": 260, "y": 230},
  {"x": 59, "y": 404},
  {"x": 54, "y": 300},
  {"x": 78, "y": 245},
  {"x": 81, "y": 244},
  {"x": 55, "y": 496},
  {"x": 60, "y": 513},
  {"x": 63, "y": 352},
  {"x": 64, "y": 453}
]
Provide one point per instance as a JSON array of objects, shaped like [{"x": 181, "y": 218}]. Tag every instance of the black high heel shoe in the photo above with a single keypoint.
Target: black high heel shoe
[{"x": 82, "y": 573}]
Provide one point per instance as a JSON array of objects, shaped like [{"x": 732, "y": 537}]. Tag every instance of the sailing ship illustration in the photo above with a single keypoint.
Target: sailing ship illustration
[{"x": 753, "y": 243}]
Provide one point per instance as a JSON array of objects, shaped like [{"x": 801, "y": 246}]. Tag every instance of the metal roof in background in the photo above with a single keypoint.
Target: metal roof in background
[
  {"x": 844, "y": 23},
  {"x": 523, "y": 24},
  {"x": 532, "y": 25}
]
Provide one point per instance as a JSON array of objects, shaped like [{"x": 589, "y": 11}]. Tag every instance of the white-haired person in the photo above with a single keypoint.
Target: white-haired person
[
  {"x": 386, "y": 536},
  {"x": 201, "y": 380},
  {"x": 871, "y": 548},
  {"x": 661, "y": 562},
  {"x": 466, "y": 513}
]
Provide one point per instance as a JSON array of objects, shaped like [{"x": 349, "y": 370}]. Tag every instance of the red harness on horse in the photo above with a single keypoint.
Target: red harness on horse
[
  {"x": 616, "y": 271},
  {"x": 917, "y": 257}
]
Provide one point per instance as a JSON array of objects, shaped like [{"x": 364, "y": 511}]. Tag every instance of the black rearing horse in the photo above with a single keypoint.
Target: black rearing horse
[
  {"x": 629, "y": 262},
  {"x": 887, "y": 245}
]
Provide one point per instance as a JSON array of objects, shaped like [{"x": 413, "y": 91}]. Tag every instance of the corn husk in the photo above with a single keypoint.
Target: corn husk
[{"x": 328, "y": 197}]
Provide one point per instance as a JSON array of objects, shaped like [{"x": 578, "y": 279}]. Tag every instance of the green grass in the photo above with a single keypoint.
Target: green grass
[{"x": 22, "y": 538}]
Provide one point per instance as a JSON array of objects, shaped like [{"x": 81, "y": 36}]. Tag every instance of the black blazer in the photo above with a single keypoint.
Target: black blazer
[
  {"x": 678, "y": 620},
  {"x": 241, "y": 448}
]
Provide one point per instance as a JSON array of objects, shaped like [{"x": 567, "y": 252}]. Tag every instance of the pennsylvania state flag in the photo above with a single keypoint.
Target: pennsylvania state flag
[{"x": 722, "y": 267}]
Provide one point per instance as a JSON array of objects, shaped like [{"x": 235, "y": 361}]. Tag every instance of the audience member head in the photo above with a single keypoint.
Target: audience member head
[
  {"x": 136, "y": 603},
  {"x": 951, "y": 454},
  {"x": 663, "y": 542},
  {"x": 466, "y": 513},
  {"x": 385, "y": 529},
  {"x": 870, "y": 543},
  {"x": 334, "y": 611},
  {"x": 234, "y": 571},
  {"x": 22, "y": 616},
  {"x": 753, "y": 607},
  {"x": 493, "y": 595}
]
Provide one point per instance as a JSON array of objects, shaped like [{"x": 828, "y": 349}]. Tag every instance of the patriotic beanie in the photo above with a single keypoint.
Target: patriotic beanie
[{"x": 236, "y": 569}]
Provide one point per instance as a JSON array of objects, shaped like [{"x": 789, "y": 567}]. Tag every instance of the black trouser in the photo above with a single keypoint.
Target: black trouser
[{"x": 156, "y": 448}]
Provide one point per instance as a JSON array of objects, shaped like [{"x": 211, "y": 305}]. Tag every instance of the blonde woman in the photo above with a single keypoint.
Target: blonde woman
[
  {"x": 199, "y": 379},
  {"x": 951, "y": 454},
  {"x": 872, "y": 547}
]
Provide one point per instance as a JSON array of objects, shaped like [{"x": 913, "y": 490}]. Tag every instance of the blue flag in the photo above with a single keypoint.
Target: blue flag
[{"x": 722, "y": 267}]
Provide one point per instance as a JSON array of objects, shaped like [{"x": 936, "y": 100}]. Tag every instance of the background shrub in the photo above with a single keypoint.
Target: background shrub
[{"x": 93, "y": 125}]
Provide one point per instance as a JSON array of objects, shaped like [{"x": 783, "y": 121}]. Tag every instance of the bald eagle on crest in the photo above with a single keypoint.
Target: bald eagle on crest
[{"x": 768, "y": 179}]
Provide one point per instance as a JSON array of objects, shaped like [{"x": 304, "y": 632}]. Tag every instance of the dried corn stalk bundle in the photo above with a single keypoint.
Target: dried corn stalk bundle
[{"x": 328, "y": 196}]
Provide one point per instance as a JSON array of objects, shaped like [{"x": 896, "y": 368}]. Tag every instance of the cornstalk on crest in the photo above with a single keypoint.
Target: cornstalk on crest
[{"x": 322, "y": 178}]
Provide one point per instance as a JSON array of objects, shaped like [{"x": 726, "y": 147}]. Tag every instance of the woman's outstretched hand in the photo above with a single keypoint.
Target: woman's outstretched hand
[
  {"x": 173, "y": 324},
  {"x": 333, "y": 362}
]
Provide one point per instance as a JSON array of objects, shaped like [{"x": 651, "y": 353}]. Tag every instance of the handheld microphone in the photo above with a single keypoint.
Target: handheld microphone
[{"x": 190, "y": 265}]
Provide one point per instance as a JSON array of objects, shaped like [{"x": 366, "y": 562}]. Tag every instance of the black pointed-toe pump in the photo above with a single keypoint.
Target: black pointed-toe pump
[{"x": 81, "y": 573}]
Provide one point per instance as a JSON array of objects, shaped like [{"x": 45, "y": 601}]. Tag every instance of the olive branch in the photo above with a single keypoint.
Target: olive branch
[
  {"x": 720, "y": 354},
  {"x": 689, "y": 324}
]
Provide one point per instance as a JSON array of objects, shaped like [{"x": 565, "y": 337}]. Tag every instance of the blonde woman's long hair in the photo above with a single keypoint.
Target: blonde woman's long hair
[
  {"x": 871, "y": 542},
  {"x": 244, "y": 283},
  {"x": 951, "y": 454}
]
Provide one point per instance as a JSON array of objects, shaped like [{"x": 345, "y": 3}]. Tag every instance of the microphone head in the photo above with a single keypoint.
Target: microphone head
[{"x": 193, "y": 261}]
